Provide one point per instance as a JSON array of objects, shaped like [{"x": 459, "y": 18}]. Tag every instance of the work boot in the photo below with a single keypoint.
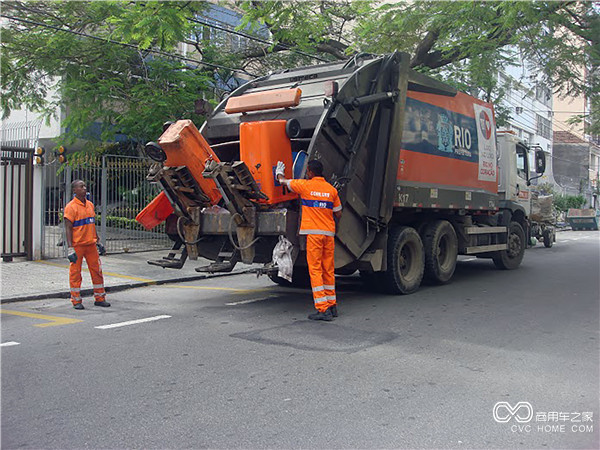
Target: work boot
[
  {"x": 102, "y": 303},
  {"x": 333, "y": 310},
  {"x": 78, "y": 306},
  {"x": 326, "y": 316}
]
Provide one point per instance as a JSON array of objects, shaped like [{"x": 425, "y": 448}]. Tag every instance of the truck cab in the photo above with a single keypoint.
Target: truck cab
[{"x": 514, "y": 174}]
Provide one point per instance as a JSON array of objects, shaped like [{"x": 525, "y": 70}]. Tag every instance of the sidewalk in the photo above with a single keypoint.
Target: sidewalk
[{"x": 31, "y": 280}]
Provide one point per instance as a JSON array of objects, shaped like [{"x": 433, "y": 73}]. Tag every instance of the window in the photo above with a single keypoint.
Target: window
[
  {"x": 542, "y": 94},
  {"x": 522, "y": 165},
  {"x": 544, "y": 127},
  {"x": 238, "y": 42},
  {"x": 206, "y": 33}
]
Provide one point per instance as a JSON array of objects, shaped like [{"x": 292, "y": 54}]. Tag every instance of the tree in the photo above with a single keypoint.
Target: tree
[
  {"x": 73, "y": 47},
  {"x": 461, "y": 42},
  {"x": 116, "y": 62}
]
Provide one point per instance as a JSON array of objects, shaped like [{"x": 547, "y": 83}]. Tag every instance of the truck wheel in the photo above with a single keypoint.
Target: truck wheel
[
  {"x": 511, "y": 258},
  {"x": 548, "y": 239},
  {"x": 441, "y": 251},
  {"x": 405, "y": 261}
]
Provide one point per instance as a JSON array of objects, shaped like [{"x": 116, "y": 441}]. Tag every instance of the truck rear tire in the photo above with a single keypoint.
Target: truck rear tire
[
  {"x": 548, "y": 239},
  {"x": 511, "y": 258},
  {"x": 441, "y": 250},
  {"x": 405, "y": 261}
]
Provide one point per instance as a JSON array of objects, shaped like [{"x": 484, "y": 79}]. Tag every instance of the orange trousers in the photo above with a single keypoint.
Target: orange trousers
[
  {"x": 90, "y": 253},
  {"x": 319, "y": 255}
]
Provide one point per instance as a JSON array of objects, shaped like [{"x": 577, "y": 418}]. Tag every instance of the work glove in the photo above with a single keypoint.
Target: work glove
[
  {"x": 72, "y": 256},
  {"x": 280, "y": 169},
  {"x": 101, "y": 249}
]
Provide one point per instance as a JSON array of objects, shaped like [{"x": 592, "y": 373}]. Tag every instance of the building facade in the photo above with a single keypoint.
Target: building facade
[{"x": 530, "y": 104}]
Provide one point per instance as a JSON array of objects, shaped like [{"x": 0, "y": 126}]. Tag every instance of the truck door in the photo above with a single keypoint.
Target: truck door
[{"x": 522, "y": 189}]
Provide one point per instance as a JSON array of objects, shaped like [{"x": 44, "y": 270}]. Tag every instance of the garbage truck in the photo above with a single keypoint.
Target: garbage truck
[{"x": 422, "y": 174}]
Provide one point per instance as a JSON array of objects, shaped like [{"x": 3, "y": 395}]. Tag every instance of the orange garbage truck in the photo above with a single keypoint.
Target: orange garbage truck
[{"x": 422, "y": 173}]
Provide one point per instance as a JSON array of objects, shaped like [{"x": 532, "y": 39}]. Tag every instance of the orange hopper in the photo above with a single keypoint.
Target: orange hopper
[
  {"x": 184, "y": 146},
  {"x": 155, "y": 212},
  {"x": 262, "y": 145}
]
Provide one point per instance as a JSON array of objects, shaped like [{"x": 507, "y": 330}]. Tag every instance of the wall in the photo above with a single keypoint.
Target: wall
[{"x": 571, "y": 164}]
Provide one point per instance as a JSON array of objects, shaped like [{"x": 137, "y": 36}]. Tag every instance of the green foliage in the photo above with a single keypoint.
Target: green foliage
[
  {"x": 560, "y": 202},
  {"x": 563, "y": 203},
  {"x": 120, "y": 222},
  {"x": 133, "y": 88},
  {"x": 461, "y": 42},
  {"x": 128, "y": 89}
]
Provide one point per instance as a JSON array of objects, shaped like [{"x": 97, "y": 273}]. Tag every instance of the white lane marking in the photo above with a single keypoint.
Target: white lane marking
[
  {"x": 131, "y": 322},
  {"x": 251, "y": 300},
  {"x": 8, "y": 344}
]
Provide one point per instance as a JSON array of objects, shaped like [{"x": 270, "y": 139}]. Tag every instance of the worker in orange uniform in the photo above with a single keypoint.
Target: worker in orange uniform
[
  {"x": 83, "y": 242},
  {"x": 320, "y": 204}
]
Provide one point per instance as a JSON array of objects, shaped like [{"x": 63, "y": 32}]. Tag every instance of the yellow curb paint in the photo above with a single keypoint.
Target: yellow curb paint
[
  {"x": 112, "y": 274},
  {"x": 54, "y": 320}
]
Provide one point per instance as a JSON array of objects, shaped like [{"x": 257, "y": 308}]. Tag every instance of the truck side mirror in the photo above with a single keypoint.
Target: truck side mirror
[{"x": 540, "y": 161}]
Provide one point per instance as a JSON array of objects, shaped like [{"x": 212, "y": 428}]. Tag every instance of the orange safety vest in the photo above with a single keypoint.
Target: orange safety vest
[
  {"x": 83, "y": 218},
  {"x": 319, "y": 201}
]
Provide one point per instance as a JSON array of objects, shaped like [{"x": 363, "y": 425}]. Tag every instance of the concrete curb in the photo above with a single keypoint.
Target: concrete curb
[{"x": 120, "y": 287}]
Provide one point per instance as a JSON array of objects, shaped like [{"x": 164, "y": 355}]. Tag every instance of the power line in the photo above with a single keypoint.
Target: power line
[{"x": 158, "y": 52}]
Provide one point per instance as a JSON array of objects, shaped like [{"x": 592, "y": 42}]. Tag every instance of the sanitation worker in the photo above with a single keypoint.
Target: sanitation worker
[
  {"x": 320, "y": 203},
  {"x": 83, "y": 242}
]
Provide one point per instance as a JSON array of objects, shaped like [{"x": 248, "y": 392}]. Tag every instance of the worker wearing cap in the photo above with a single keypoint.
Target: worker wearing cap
[
  {"x": 320, "y": 204},
  {"x": 83, "y": 242}
]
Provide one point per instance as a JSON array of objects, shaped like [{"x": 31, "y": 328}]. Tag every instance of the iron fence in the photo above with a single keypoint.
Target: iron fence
[
  {"x": 118, "y": 188},
  {"x": 21, "y": 134}
]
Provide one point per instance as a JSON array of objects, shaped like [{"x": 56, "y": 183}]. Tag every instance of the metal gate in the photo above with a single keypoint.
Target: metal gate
[
  {"x": 18, "y": 141},
  {"x": 118, "y": 188},
  {"x": 16, "y": 187}
]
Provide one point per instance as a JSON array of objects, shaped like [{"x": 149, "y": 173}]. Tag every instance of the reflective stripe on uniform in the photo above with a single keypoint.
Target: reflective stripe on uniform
[
  {"x": 327, "y": 286},
  {"x": 317, "y": 204},
  {"x": 320, "y": 300},
  {"x": 98, "y": 286},
  {"x": 318, "y": 288},
  {"x": 324, "y": 233},
  {"x": 337, "y": 208},
  {"x": 99, "y": 294},
  {"x": 81, "y": 222},
  {"x": 75, "y": 289}
]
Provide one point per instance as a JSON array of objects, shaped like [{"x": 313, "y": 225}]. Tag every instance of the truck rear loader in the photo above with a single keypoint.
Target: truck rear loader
[{"x": 422, "y": 174}]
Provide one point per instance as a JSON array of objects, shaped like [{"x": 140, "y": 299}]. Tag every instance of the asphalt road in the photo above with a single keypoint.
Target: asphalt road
[{"x": 233, "y": 363}]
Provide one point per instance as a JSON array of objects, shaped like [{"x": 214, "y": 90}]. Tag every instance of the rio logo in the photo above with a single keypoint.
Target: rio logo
[{"x": 485, "y": 124}]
